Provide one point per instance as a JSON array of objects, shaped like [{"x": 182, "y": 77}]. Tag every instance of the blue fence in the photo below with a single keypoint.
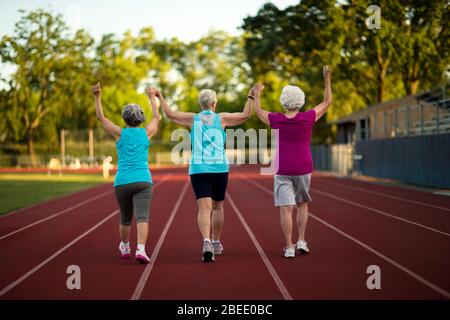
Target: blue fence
[
  {"x": 421, "y": 160},
  {"x": 321, "y": 154},
  {"x": 333, "y": 157}
]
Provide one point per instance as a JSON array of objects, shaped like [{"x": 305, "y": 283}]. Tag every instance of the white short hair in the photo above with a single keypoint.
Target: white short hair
[
  {"x": 207, "y": 97},
  {"x": 292, "y": 97}
]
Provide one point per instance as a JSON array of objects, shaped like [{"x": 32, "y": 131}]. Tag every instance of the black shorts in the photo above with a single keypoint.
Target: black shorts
[{"x": 210, "y": 185}]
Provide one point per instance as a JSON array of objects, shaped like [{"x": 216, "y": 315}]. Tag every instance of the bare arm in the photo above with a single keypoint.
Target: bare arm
[
  {"x": 322, "y": 108},
  {"x": 111, "y": 128},
  {"x": 152, "y": 127},
  {"x": 262, "y": 114},
  {"x": 182, "y": 118},
  {"x": 230, "y": 119}
]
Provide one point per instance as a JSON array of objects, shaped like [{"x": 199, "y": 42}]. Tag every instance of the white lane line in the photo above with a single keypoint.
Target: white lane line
[
  {"x": 57, "y": 253},
  {"x": 276, "y": 278},
  {"x": 377, "y": 253},
  {"x": 326, "y": 194},
  {"x": 67, "y": 210},
  {"x": 53, "y": 256},
  {"x": 38, "y": 204},
  {"x": 56, "y": 214},
  {"x": 382, "y": 256},
  {"x": 442, "y": 193},
  {"x": 148, "y": 269},
  {"x": 388, "y": 196}
]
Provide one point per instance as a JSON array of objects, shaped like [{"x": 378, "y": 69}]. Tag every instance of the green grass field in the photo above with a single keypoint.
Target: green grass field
[{"x": 21, "y": 190}]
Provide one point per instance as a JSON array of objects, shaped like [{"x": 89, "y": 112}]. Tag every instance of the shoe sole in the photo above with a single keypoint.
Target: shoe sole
[
  {"x": 142, "y": 260},
  {"x": 289, "y": 257},
  {"x": 303, "y": 252},
  {"x": 218, "y": 253},
  {"x": 208, "y": 257},
  {"x": 125, "y": 255}
]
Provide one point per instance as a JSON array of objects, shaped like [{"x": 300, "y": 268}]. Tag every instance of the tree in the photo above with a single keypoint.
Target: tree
[
  {"x": 367, "y": 54},
  {"x": 216, "y": 61},
  {"x": 410, "y": 48},
  {"x": 37, "y": 49},
  {"x": 53, "y": 70},
  {"x": 291, "y": 46},
  {"x": 408, "y": 53},
  {"x": 422, "y": 46},
  {"x": 72, "y": 100}
]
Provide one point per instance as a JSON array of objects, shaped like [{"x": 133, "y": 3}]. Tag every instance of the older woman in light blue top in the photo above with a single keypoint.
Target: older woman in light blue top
[
  {"x": 133, "y": 181},
  {"x": 208, "y": 168}
]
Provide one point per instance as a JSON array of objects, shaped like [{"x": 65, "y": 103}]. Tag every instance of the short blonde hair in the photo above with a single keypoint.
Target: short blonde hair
[
  {"x": 292, "y": 97},
  {"x": 207, "y": 97}
]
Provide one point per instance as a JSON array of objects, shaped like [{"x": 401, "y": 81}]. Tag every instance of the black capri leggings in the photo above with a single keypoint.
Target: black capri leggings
[{"x": 134, "y": 198}]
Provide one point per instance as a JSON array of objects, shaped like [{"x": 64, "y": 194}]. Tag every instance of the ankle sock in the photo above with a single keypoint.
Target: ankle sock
[{"x": 141, "y": 247}]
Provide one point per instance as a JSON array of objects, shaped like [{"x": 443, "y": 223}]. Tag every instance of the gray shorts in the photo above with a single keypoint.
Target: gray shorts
[
  {"x": 134, "y": 198},
  {"x": 290, "y": 190}
]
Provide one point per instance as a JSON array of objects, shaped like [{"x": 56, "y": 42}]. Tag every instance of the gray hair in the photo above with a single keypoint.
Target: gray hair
[
  {"x": 207, "y": 97},
  {"x": 133, "y": 115},
  {"x": 292, "y": 97}
]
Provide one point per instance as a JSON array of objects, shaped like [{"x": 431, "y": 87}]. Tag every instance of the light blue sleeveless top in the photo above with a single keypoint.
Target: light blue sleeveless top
[
  {"x": 208, "y": 144},
  {"x": 132, "y": 152}
]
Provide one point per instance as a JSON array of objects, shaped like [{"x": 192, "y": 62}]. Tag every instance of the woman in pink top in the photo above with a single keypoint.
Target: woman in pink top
[{"x": 294, "y": 165}]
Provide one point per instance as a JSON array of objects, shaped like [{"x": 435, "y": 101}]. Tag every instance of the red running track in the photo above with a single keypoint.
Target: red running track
[{"x": 352, "y": 225}]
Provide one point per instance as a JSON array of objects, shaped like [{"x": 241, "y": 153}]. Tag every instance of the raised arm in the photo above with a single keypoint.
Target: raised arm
[
  {"x": 322, "y": 108},
  {"x": 183, "y": 118},
  {"x": 152, "y": 127},
  {"x": 230, "y": 119},
  {"x": 262, "y": 114},
  {"x": 111, "y": 128}
]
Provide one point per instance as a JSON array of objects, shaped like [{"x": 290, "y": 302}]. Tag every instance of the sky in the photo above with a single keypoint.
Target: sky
[{"x": 185, "y": 19}]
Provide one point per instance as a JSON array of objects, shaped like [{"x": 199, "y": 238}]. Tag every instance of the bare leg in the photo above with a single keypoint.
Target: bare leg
[
  {"x": 217, "y": 219},
  {"x": 302, "y": 219},
  {"x": 142, "y": 230},
  {"x": 124, "y": 233},
  {"x": 204, "y": 217},
  {"x": 286, "y": 224}
]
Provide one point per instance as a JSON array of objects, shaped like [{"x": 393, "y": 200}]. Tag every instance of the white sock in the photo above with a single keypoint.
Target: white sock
[
  {"x": 125, "y": 244},
  {"x": 141, "y": 247},
  {"x": 207, "y": 239}
]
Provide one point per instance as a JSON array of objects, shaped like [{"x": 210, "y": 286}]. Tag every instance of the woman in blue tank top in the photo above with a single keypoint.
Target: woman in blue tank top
[
  {"x": 133, "y": 181},
  {"x": 208, "y": 168}
]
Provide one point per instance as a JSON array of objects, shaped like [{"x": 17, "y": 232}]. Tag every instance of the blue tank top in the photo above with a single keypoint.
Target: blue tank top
[
  {"x": 132, "y": 152},
  {"x": 208, "y": 144}
]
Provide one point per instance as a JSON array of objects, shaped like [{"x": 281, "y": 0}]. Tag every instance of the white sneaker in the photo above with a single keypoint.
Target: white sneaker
[
  {"x": 302, "y": 247},
  {"x": 208, "y": 252},
  {"x": 125, "y": 251},
  {"x": 289, "y": 252},
  {"x": 141, "y": 257},
  {"x": 218, "y": 248}
]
